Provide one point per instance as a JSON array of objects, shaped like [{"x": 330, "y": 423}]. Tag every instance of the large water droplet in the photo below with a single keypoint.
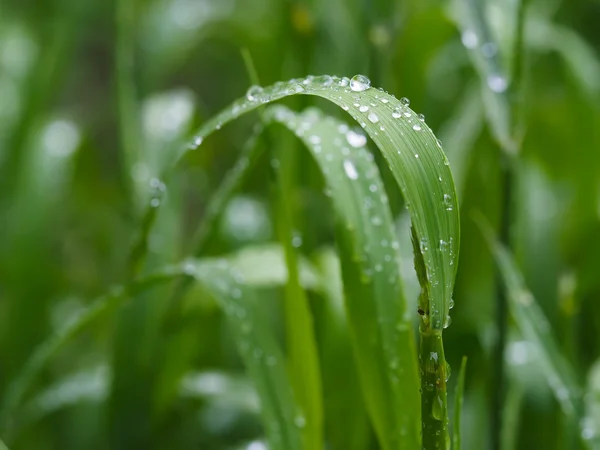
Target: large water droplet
[
  {"x": 254, "y": 93},
  {"x": 396, "y": 113},
  {"x": 350, "y": 169},
  {"x": 373, "y": 118},
  {"x": 359, "y": 83},
  {"x": 437, "y": 411}
]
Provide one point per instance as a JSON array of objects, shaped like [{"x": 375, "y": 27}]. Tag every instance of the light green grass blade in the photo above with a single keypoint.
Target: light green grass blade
[
  {"x": 458, "y": 403},
  {"x": 536, "y": 329},
  {"x": 591, "y": 425},
  {"x": 379, "y": 320},
  {"x": 263, "y": 265},
  {"x": 258, "y": 348},
  {"x": 346, "y": 420},
  {"x": 302, "y": 355}
]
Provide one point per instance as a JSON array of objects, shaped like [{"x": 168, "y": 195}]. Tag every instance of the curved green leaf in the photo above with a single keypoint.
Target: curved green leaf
[
  {"x": 380, "y": 324},
  {"x": 413, "y": 153}
]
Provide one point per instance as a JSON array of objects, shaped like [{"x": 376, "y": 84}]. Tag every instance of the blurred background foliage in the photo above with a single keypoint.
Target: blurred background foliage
[{"x": 165, "y": 375}]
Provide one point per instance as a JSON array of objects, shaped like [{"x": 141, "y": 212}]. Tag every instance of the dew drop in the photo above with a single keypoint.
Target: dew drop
[
  {"x": 448, "y": 321},
  {"x": 421, "y": 117},
  {"x": 344, "y": 82},
  {"x": 437, "y": 411},
  {"x": 416, "y": 127},
  {"x": 489, "y": 49},
  {"x": 355, "y": 139},
  {"x": 254, "y": 92},
  {"x": 350, "y": 169},
  {"x": 448, "y": 202},
  {"x": 405, "y": 101},
  {"x": 197, "y": 141},
  {"x": 154, "y": 203},
  {"x": 469, "y": 39},
  {"x": 497, "y": 83},
  {"x": 295, "y": 89},
  {"x": 359, "y": 83},
  {"x": 300, "y": 421},
  {"x": 373, "y": 118},
  {"x": 384, "y": 100},
  {"x": 363, "y": 108},
  {"x": 396, "y": 113},
  {"x": 376, "y": 220}
]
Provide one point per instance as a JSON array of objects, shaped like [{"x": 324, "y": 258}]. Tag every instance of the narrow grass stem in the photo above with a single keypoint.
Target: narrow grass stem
[{"x": 434, "y": 405}]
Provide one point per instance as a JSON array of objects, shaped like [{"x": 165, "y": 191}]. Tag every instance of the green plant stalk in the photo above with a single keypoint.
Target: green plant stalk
[
  {"x": 458, "y": 403},
  {"x": 126, "y": 93},
  {"x": 433, "y": 367},
  {"x": 434, "y": 402},
  {"x": 303, "y": 357}
]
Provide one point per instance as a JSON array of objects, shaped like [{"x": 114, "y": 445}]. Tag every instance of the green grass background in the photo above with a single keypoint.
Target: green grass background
[{"x": 88, "y": 89}]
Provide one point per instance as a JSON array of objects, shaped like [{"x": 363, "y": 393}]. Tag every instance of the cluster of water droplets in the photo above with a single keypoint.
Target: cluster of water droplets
[
  {"x": 157, "y": 190},
  {"x": 496, "y": 81},
  {"x": 369, "y": 110}
]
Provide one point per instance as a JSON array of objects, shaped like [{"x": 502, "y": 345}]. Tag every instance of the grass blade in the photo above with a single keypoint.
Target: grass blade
[
  {"x": 302, "y": 355},
  {"x": 380, "y": 326},
  {"x": 346, "y": 420},
  {"x": 412, "y": 152},
  {"x": 417, "y": 163},
  {"x": 458, "y": 403},
  {"x": 486, "y": 55},
  {"x": 536, "y": 329},
  {"x": 257, "y": 344},
  {"x": 258, "y": 348}
]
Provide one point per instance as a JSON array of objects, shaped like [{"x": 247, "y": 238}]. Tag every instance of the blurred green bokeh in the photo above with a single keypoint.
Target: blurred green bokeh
[{"x": 165, "y": 375}]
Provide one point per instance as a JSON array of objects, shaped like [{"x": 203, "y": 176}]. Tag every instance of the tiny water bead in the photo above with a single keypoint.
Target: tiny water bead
[
  {"x": 396, "y": 113},
  {"x": 421, "y": 117},
  {"x": 405, "y": 101},
  {"x": 363, "y": 108},
  {"x": 350, "y": 169},
  {"x": 359, "y": 83},
  {"x": 416, "y": 127}
]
